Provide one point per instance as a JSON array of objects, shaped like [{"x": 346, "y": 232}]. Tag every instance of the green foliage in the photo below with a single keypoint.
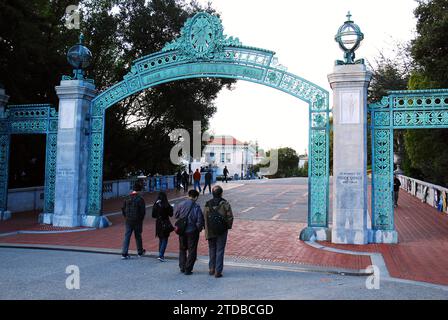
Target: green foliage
[
  {"x": 33, "y": 45},
  {"x": 430, "y": 47},
  {"x": 427, "y": 150},
  {"x": 288, "y": 162}
]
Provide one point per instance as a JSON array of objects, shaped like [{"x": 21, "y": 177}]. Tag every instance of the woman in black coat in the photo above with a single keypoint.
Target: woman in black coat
[{"x": 162, "y": 211}]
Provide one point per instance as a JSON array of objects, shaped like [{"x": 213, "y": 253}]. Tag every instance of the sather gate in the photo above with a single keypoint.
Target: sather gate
[
  {"x": 75, "y": 135},
  {"x": 202, "y": 50}
]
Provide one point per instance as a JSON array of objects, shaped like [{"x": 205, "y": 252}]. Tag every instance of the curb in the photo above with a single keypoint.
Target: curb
[
  {"x": 378, "y": 260},
  {"x": 229, "y": 260}
]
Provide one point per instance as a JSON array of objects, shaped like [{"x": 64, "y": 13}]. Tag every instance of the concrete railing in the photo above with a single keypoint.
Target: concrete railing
[
  {"x": 434, "y": 195},
  {"x": 32, "y": 199}
]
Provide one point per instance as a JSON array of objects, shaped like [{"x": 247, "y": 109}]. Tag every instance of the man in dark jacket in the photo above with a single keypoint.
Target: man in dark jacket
[
  {"x": 208, "y": 182},
  {"x": 134, "y": 210},
  {"x": 185, "y": 180},
  {"x": 397, "y": 185},
  {"x": 225, "y": 173},
  {"x": 217, "y": 241},
  {"x": 188, "y": 242}
]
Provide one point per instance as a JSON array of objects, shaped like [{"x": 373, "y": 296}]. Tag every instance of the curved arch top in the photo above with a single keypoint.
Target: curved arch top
[{"x": 203, "y": 50}]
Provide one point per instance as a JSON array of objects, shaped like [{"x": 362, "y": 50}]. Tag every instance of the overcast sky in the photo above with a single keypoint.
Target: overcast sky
[{"x": 302, "y": 34}]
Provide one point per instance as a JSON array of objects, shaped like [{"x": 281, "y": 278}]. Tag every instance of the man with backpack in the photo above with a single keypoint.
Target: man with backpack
[
  {"x": 208, "y": 181},
  {"x": 133, "y": 210},
  {"x": 218, "y": 218},
  {"x": 191, "y": 221}
]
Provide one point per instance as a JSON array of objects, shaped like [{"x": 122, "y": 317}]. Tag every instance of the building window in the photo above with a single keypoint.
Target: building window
[
  {"x": 223, "y": 157},
  {"x": 228, "y": 157}
]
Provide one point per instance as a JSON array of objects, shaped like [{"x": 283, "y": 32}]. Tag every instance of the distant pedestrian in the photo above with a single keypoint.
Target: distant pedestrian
[
  {"x": 162, "y": 211},
  {"x": 397, "y": 185},
  {"x": 178, "y": 180},
  {"x": 225, "y": 173},
  {"x": 197, "y": 180},
  {"x": 185, "y": 180},
  {"x": 208, "y": 181},
  {"x": 134, "y": 210},
  {"x": 218, "y": 218},
  {"x": 188, "y": 242}
]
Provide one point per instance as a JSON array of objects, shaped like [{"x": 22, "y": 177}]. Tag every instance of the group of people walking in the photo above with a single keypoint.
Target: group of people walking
[
  {"x": 216, "y": 219},
  {"x": 183, "y": 180}
]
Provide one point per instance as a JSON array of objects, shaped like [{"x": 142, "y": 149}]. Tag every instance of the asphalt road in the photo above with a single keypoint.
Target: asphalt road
[
  {"x": 41, "y": 274},
  {"x": 276, "y": 199}
]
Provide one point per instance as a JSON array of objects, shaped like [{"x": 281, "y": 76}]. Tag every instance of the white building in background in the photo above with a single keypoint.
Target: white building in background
[
  {"x": 303, "y": 159},
  {"x": 227, "y": 151}
]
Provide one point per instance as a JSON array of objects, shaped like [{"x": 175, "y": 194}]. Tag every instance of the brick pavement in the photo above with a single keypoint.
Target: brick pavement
[
  {"x": 268, "y": 240},
  {"x": 422, "y": 252},
  {"x": 421, "y": 255}
]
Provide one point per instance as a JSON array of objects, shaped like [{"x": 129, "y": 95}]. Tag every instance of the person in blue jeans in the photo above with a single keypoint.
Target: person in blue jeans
[
  {"x": 162, "y": 211},
  {"x": 134, "y": 211},
  {"x": 188, "y": 242},
  {"x": 197, "y": 180}
]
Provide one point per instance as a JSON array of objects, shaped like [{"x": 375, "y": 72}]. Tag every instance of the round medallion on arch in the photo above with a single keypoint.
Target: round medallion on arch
[{"x": 202, "y": 35}]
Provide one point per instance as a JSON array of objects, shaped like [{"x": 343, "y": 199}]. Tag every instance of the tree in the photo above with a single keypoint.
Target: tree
[
  {"x": 428, "y": 149},
  {"x": 33, "y": 46},
  {"x": 288, "y": 162}
]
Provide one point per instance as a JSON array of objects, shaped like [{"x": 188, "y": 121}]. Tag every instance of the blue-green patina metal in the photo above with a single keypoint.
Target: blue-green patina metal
[
  {"x": 349, "y": 38},
  {"x": 79, "y": 57},
  {"x": 202, "y": 50},
  {"x": 409, "y": 109},
  {"x": 29, "y": 119}
]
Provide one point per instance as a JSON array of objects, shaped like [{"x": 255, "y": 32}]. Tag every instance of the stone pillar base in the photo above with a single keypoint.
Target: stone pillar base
[
  {"x": 383, "y": 236},
  {"x": 98, "y": 222},
  {"x": 315, "y": 234},
  {"x": 66, "y": 221},
  {"x": 350, "y": 236},
  {"x": 5, "y": 215},
  {"x": 45, "y": 218}
]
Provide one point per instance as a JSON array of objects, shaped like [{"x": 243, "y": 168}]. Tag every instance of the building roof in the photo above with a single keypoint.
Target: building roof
[{"x": 225, "y": 140}]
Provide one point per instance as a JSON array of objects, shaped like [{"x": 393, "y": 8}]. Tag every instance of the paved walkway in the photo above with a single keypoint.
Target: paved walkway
[{"x": 422, "y": 253}]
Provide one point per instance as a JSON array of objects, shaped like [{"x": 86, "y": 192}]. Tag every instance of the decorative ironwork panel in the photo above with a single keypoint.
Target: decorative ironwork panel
[
  {"x": 318, "y": 179},
  {"x": 30, "y": 119},
  {"x": 4, "y": 163},
  {"x": 202, "y": 50},
  {"x": 50, "y": 172},
  {"x": 408, "y": 109},
  {"x": 382, "y": 190},
  {"x": 433, "y": 119}
]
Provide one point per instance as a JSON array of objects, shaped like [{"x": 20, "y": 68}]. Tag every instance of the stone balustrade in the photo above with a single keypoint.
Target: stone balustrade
[{"x": 426, "y": 192}]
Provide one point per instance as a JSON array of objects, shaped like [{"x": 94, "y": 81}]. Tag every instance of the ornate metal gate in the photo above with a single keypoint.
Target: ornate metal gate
[
  {"x": 413, "y": 109},
  {"x": 29, "y": 119},
  {"x": 202, "y": 50}
]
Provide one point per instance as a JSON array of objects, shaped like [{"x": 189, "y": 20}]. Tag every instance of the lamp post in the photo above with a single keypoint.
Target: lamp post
[
  {"x": 79, "y": 57},
  {"x": 349, "y": 38}
]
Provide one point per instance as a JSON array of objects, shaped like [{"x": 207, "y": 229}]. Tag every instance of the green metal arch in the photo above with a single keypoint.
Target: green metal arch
[
  {"x": 256, "y": 67},
  {"x": 201, "y": 51}
]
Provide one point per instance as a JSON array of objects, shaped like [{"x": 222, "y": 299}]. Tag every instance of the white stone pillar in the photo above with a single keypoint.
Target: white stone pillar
[
  {"x": 350, "y": 217},
  {"x": 72, "y": 152}
]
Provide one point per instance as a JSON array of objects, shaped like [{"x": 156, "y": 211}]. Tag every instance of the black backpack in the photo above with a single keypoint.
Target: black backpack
[
  {"x": 216, "y": 222},
  {"x": 131, "y": 208}
]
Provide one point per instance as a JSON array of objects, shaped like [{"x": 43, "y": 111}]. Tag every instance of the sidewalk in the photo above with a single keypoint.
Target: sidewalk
[
  {"x": 422, "y": 251},
  {"x": 421, "y": 255},
  {"x": 272, "y": 241}
]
